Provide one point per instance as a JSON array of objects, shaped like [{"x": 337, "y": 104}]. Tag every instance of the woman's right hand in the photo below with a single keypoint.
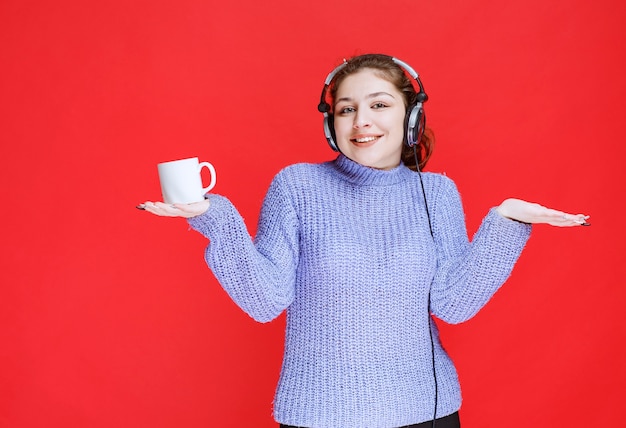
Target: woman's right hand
[
  {"x": 532, "y": 213},
  {"x": 176, "y": 210}
]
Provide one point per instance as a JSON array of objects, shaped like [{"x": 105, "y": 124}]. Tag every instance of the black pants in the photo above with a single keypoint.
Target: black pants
[{"x": 450, "y": 421}]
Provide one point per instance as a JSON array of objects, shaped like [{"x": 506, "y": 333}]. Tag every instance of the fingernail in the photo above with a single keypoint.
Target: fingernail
[
  {"x": 585, "y": 224},
  {"x": 141, "y": 207}
]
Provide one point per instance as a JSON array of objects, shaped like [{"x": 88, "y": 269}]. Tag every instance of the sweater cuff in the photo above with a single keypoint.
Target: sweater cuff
[
  {"x": 213, "y": 218},
  {"x": 508, "y": 227}
]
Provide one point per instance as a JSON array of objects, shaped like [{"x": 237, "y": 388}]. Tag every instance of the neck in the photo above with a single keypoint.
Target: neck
[{"x": 364, "y": 175}]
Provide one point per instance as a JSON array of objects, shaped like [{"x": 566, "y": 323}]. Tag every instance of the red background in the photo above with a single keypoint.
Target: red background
[{"x": 109, "y": 316}]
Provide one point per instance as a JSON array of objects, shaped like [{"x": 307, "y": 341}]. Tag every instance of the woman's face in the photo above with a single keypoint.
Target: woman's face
[{"x": 369, "y": 120}]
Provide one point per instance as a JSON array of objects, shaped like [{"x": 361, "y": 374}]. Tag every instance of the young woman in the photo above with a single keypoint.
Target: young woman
[{"x": 360, "y": 251}]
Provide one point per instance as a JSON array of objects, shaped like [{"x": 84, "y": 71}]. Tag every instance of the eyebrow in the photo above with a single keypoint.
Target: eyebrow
[{"x": 373, "y": 95}]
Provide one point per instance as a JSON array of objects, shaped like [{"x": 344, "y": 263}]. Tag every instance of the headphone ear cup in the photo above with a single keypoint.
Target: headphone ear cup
[
  {"x": 415, "y": 123},
  {"x": 329, "y": 131}
]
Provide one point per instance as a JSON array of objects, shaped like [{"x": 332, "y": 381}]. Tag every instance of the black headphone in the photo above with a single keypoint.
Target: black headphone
[{"x": 415, "y": 120}]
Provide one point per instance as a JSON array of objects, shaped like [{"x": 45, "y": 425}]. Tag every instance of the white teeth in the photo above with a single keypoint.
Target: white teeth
[{"x": 364, "y": 140}]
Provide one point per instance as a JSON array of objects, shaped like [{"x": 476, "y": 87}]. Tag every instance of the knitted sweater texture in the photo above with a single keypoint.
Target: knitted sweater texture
[{"x": 346, "y": 250}]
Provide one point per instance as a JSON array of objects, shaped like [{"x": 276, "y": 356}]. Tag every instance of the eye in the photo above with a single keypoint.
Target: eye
[
  {"x": 379, "y": 105},
  {"x": 346, "y": 110}
]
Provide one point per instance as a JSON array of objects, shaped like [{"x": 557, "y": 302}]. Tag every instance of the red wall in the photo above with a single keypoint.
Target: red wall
[{"x": 109, "y": 317}]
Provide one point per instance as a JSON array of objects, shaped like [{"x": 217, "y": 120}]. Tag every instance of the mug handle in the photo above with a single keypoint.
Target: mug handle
[{"x": 212, "y": 171}]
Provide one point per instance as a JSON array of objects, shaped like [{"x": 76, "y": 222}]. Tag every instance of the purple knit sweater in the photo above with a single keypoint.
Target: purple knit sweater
[{"x": 347, "y": 251}]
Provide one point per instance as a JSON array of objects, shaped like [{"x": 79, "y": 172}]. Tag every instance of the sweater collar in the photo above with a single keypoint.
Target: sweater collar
[{"x": 356, "y": 173}]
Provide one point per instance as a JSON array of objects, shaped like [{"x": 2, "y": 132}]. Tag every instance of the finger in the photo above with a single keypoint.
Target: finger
[
  {"x": 576, "y": 218},
  {"x": 151, "y": 208},
  {"x": 160, "y": 209},
  {"x": 570, "y": 220},
  {"x": 582, "y": 219}
]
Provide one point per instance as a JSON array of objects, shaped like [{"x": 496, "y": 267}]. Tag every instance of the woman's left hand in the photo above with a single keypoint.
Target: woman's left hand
[
  {"x": 528, "y": 212},
  {"x": 176, "y": 210}
]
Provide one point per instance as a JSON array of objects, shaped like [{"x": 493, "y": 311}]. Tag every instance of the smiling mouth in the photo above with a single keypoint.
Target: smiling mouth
[{"x": 364, "y": 139}]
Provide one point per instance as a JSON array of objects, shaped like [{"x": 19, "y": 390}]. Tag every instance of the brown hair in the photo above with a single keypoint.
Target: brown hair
[{"x": 390, "y": 71}]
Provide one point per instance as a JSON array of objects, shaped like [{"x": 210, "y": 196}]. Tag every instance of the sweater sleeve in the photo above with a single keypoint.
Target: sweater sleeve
[
  {"x": 469, "y": 274},
  {"x": 258, "y": 275}
]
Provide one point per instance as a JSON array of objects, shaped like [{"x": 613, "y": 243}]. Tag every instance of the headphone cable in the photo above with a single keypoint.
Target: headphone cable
[{"x": 430, "y": 320}]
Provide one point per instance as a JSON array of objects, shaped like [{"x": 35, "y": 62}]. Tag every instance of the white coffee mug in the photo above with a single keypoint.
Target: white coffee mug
[{"x": 181, "y": 180}]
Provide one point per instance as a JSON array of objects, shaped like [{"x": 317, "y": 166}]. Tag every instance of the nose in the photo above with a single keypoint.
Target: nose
[{"x": 361, "y": 119}]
